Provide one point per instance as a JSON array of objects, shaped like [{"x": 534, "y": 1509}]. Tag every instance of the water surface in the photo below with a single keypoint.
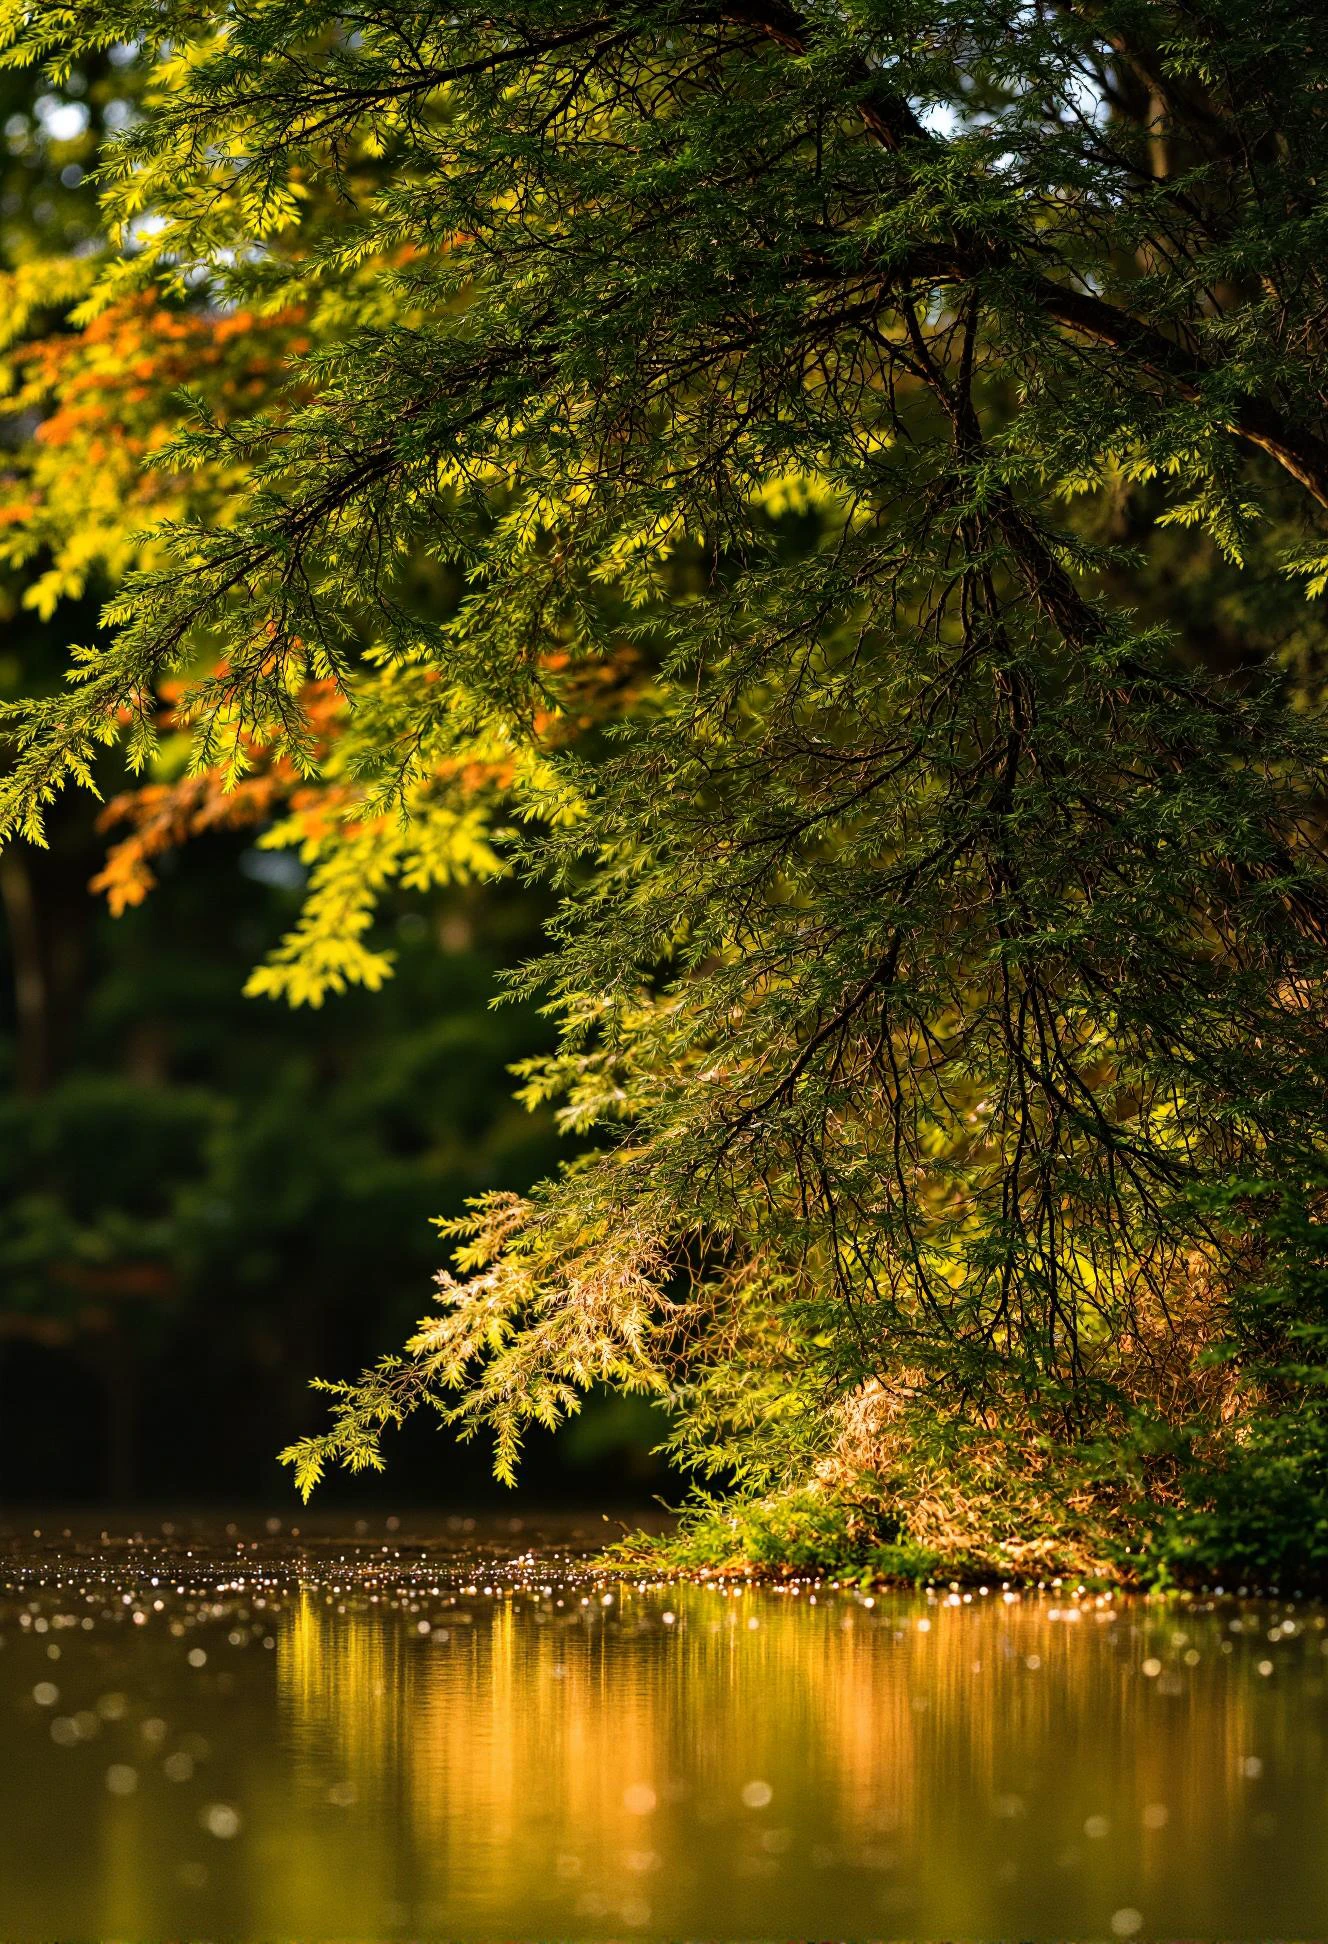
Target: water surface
[{"x": 395, "y": 1737}]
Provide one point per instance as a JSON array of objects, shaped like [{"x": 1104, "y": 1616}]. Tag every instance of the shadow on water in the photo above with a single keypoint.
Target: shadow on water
[{"x": 401, "y": 1735}]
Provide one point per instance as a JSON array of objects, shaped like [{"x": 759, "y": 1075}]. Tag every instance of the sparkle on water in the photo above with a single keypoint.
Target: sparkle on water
[{"x": 393, "y": 1734}]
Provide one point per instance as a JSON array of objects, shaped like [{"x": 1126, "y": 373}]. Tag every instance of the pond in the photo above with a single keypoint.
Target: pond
[{"x": 397, "y": 1734}]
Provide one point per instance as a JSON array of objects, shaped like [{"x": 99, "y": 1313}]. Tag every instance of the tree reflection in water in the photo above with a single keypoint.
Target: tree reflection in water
[{"x": 372, "y": 1746}]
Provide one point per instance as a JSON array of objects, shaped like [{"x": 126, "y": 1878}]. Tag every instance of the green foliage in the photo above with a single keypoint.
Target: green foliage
[
  {"x": 797, "y": 1531},
  {"x": 805, "y": 412},
  {"x": 1256, "y": 1504}
]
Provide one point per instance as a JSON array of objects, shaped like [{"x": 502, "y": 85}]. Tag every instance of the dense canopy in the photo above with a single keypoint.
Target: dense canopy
[{"x": 835, "y": 494}]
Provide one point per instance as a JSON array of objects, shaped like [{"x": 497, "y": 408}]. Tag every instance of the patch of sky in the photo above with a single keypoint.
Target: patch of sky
[
  {"x": 60, "y": 120},
  {"x": 280, "y": 868},
  {"x": 937, "y": 117},
  {"x": 139, "y": 229}
]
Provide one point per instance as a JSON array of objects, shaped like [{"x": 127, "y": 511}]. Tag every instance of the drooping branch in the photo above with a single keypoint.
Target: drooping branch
[{"x": 891, "y": 121}]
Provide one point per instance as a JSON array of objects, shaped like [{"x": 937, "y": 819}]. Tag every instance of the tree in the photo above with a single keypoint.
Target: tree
[{"x": 801, "y": 407}]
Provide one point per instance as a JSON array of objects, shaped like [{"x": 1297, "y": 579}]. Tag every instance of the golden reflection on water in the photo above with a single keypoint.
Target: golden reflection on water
[
  {"x": 351, "y": 1759},
  {"x": 762, "y": 1761}
]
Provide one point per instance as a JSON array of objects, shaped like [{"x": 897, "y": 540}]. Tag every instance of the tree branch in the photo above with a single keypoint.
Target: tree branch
[{"x": 891, "y": 121}]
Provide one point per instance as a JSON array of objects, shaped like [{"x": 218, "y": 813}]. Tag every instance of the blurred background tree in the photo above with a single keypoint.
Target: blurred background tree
[{"x": 205, "y": 1198}]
